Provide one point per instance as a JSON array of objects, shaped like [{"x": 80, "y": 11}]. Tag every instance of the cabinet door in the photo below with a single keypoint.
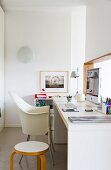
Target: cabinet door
[
  {"x": 86, "y": 67},
  {"x": 1, "y": 69}
]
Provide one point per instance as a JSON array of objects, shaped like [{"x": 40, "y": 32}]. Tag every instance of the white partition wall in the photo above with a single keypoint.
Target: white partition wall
[{"x": 1, "y": 68}]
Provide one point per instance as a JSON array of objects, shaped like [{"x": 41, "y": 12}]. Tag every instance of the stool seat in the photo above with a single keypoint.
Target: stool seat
[{"x": 31, "y": 146}]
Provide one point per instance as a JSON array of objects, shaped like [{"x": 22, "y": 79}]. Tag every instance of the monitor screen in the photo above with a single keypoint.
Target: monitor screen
[{"x": 93, "y": 85}]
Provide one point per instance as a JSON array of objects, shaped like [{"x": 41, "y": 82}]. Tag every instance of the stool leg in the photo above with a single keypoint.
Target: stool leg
[
  {"x": 38, "y": 163},
  {"x": 43, "y": 162},
  {"x": 11, "y": 160}
]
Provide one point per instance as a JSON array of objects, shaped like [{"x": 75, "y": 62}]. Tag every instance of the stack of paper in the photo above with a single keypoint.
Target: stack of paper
[{"x": 93, "y": 119}]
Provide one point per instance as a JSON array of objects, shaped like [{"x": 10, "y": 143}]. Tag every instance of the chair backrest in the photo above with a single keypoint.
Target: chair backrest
[{"x": 34, "y": 120}]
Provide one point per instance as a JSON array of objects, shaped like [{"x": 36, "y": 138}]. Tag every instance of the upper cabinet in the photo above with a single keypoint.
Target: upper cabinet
[{"x": 1, "y": 69}]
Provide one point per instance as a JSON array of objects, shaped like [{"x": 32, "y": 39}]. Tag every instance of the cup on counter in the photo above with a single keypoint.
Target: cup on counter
[{"x": 80, "y": 97}]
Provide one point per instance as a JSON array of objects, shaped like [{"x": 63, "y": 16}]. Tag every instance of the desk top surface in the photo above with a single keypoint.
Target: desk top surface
[{"x": 81, "y": 106}]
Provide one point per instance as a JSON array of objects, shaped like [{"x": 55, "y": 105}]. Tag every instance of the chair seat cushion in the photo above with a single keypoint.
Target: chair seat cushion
[{"x": 31, "y": 146}]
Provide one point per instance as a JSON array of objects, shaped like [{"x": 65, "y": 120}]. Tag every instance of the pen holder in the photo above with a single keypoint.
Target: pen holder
[
  {"x": 106, "y": 109},
  {"x": 80, "y": 97}
]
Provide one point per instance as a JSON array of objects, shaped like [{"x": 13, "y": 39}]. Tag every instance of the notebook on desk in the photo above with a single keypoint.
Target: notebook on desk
[{"x": 93, "y": 119}]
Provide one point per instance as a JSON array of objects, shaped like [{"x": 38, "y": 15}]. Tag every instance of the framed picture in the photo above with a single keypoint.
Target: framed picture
[{"x": 54, "y": 81}]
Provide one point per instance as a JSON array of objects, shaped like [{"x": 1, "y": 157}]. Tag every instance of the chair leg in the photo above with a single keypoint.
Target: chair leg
[
  {"x": 52, "y": 143},
  {"x": 38, "y": 163},
  {"x": 52, "y": 130},
  {"x": 43, "y": 162},
  {"x": 50, "y": 147},
  {"x": 53, "y": 148},
  {"x": 51, "y": 154},
  {"x": 28, "y": 138},
  {"x": 11, "y": 160},
  {"x": 20, "y": 159}
]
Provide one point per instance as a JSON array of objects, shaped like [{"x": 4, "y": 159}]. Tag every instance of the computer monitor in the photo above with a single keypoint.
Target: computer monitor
[{"x": 93, "y": 85}]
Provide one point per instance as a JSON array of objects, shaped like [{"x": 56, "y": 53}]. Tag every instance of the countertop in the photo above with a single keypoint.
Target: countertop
[{"x": 81, "y": 106}]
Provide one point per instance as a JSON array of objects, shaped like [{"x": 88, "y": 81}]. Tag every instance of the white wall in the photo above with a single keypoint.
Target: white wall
[
  {"x": 48, "y": 33},
  {"x": 78, "y": 30},
  {"x": 1, "y": 68},
  {"x": 98, "y": 30}
]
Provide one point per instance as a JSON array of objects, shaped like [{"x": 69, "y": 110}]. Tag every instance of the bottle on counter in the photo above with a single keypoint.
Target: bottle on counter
[
  {"x": 107, "y": 107},
  {"x": 107, "y": 110},
  {"x": 106, "y": 101}
]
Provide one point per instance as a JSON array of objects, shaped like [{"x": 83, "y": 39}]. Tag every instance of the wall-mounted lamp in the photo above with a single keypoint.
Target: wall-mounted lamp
[
  {"x": 74, "y": 74},
  {"x": 25, "y": 54}
]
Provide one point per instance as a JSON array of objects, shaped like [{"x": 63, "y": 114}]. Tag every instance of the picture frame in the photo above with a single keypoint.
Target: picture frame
[{"x": 54, "y": 81}]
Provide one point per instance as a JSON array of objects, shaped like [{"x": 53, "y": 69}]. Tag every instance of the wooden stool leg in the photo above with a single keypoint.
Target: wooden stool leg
[
  {"x": 11, "y": 160},
  {"x": 38, "y": 163},
  {"x": 43, "y": 162}
]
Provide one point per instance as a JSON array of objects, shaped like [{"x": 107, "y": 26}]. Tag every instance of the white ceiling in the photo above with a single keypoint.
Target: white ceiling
[{"x": 25, "y": 4}]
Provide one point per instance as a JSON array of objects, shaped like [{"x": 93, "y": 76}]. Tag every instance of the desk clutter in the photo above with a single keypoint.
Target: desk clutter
[
  {"x": 108, "y": 106},
  {"x": 43, "y": 100},
  {"x": 105, "y": 107},
  {"x": 40, "y": 102},
  {"x": 70, "y": 110},
  {"x": 70, "y": 107},
  {"x": 90, "y": 119}
]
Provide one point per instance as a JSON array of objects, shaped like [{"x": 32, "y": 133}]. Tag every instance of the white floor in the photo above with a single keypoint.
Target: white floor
[{"x": 11, "y": 136}]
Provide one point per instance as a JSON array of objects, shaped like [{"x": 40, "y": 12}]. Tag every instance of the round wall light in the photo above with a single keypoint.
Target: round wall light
[{"x": 25, "y": 54}]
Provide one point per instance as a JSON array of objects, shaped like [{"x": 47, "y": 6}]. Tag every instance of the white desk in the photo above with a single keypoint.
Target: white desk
[{"x": 89, "y": 144}]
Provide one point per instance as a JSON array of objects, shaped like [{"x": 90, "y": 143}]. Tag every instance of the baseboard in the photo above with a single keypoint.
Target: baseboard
[{"x": 12, "y": 125}]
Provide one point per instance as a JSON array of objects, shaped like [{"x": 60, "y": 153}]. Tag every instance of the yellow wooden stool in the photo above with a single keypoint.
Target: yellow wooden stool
[{"x": 31, "y": 148}]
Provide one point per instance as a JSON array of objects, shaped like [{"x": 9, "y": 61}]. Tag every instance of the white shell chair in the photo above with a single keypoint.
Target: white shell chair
[{"x": 34, "y": 120}]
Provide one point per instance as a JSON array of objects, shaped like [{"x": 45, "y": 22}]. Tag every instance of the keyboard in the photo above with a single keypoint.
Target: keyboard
[{"x": 70, "y": 106}]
